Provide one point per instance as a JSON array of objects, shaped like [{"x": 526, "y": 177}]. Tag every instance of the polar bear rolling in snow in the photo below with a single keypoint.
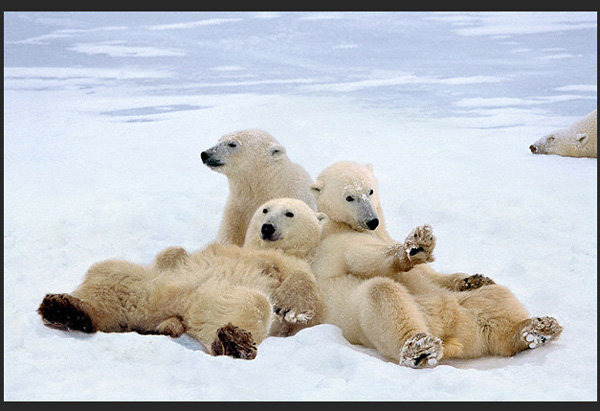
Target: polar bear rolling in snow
[
  {"x": 229, "y": 298},
  {"x": 384, "y": 295},
  {"x": 580, "y": 139}
]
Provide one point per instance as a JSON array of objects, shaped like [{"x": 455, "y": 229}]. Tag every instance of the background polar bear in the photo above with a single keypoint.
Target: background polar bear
[
  {"x": 383, "y": 295},
  {"x": 257, "y": 169},
  {"x": 580, "y": 139},
  {"x": 224, "y": 295}
]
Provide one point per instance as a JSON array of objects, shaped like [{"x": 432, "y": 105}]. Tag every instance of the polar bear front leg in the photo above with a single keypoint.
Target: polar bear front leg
[
  {"x": 416, "y": 249},
  {"x": 474, "y": 282}
]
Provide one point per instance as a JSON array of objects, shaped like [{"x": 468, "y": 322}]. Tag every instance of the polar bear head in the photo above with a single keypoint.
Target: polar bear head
[
  {"x": 562, "y": 142},
  {"x": 347, "y": 192},
  {"x": 243, "y": 152},
  {"x": 286, "y": 224}
]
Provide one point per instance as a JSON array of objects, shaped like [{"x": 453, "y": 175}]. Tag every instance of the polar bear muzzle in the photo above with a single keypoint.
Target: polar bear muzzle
[
  {"x": 209, "y": 159},
  {"x": 269, "y": 233},
  {"x": 372, "y": 224}
]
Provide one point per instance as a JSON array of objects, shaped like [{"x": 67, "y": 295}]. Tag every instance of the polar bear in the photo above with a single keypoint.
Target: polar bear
[
  {"x": 580, "y": 139},
  {"x": 227, "y": 297},
  {"x": 257, "y": 169},
  {"x": 384, "y": 295}
]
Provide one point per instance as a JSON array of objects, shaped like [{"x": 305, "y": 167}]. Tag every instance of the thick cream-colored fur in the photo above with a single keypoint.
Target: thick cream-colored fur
[
  {"x": 384, "y": 295},
  {"x": 259, "y": 288},
  {"x": 579, "y": 139},
  {"x": 257, "y": 169}
]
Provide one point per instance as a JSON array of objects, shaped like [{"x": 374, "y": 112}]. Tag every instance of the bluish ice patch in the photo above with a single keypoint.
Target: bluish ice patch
[{"x": 152, "y": 110}]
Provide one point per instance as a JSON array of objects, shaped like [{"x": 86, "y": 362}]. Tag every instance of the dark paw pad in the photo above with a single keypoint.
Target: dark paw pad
[
  {"x": 414, "y": 251},
  {"x": 234, "y": 342},
  {"x": 63, "y": 311}
]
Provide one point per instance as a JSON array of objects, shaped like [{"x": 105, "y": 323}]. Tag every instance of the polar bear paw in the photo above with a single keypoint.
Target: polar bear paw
[
  {"x": 234, "y": 342},
  {"x": 474, "y": 282},
  {"x": 293, "y": 317},
  {"x": 64, "y": 311},
  {"x": 419, "y": 244},
  {"x": 540, "y": 330},
  {"x": 421, "y": 351}
]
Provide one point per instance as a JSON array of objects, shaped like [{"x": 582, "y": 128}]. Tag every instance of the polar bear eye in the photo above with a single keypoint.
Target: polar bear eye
[
  {"x": 232, "y": 144},
  {"x": 349, "y": 199},
  {"x": 550, "y": 137},
  {"x": 265, "y": 211},
  {"x": 371, "y": 192},
  {"x": 289, "y": 214}
]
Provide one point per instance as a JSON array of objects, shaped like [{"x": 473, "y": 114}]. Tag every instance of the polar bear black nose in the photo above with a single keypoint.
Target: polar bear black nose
[
  {"x": 373, "y": 224},
  {"x": 533, "y": 149},
  {"x": 267, "y": 231},
  {"x": 204, "y": 155}
]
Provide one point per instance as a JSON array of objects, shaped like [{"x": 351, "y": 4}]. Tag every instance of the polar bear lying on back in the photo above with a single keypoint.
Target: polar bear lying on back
[
  {"x": 580, "y": 139},
  {"x": 229, "y": 298},
  {"x": 384, "y": 295},
  {"x": 257, "y": 169}
]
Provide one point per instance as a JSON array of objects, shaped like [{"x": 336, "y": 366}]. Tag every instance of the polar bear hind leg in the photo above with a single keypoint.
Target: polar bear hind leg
[
  {"x": 229, "y": 320},
  {"x": 391, "y": 322},
  {"x": 65, "y": 312},
  {"x": 421, "y": 350},
  {"x": 538, "y": 331}
]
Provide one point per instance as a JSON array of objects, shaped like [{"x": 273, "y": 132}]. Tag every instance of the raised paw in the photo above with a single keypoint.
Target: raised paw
[
  {"x": 539, "y": 331},
  {"x": 234, "y": 342},
  {"x": 419, "y": 244},
  {"x": 474, "y": 282},
  {"x": 421, "y": 351}
]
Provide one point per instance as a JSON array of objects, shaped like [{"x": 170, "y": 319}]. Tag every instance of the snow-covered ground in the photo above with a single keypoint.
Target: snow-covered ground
[{"x": 105, "y": 116}]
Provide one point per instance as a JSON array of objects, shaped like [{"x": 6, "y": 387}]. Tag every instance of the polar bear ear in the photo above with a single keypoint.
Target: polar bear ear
[
  {"x": 582, "y": 138},
  {"x": 317, "y": 187},
  {"x": 322, "y": 218},
  {"x": 277, "y": 151},
  {"x": 369, "y": 167}
]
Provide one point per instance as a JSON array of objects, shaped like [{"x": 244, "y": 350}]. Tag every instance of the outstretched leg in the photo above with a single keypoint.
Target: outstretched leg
[{"x": 66, "y": 312}]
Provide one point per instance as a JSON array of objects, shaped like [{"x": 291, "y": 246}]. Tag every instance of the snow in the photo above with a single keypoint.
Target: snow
[{"x": 105, "y": 116}]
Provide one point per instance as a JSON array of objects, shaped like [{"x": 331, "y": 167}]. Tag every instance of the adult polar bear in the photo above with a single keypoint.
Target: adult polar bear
[
  {"x": 579, "y": 139},
  {"x": 257, "y": 169},
  {"x": 228, "y": 298},
  {"x": 383, "y": 295}
]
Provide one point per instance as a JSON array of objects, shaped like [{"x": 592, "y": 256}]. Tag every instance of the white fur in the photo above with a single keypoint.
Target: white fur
[{"x": 580, "y": 139}]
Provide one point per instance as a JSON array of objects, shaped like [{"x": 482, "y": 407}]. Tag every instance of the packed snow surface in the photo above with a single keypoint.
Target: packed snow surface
[{"x": 105, "y": 116}]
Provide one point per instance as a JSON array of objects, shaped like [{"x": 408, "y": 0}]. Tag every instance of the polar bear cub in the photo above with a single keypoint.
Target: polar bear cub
[
  {"x": 227, "y": 297},
  {"x": 384, "y": 295},
  {"x": 580, "y": 139},
  {"x": 257, "y": 169}
]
